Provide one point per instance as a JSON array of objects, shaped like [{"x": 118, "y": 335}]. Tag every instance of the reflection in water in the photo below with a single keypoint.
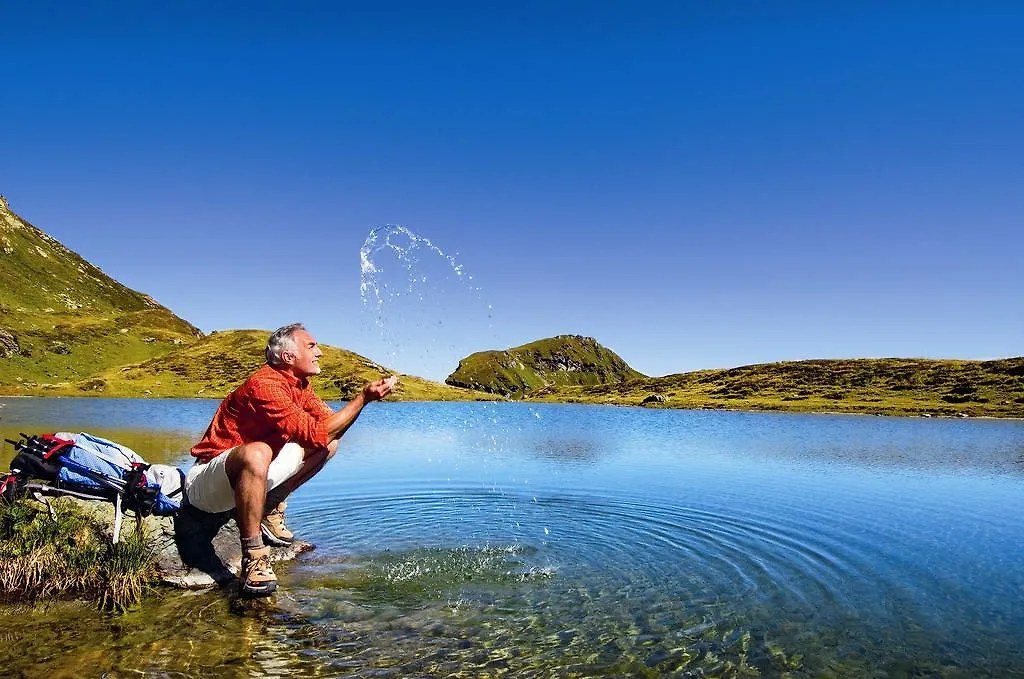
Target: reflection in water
[
  {"x": 477, "y": 539},
  {"x": 153, "y": 446},
  {"x": 171, "y": 632},
  {"x": 569, "y": 451}
]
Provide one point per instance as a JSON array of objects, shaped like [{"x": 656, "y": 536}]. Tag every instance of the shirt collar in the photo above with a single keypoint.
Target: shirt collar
[{"x": 293, "y": 380}]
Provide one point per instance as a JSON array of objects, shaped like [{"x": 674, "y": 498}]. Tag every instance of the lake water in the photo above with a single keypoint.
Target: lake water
[{"x": 492, "y": 539}]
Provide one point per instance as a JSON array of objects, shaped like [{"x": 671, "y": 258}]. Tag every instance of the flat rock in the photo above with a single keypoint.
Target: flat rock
[
  {"x": 202, "y": 550},
  {"x": 193, "y": 549}
]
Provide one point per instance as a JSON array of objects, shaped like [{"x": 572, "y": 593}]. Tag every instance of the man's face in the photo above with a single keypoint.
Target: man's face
[{"x": 306, "y": 359}]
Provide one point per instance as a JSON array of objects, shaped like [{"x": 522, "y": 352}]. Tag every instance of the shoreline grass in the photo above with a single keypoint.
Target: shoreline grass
[{"x": 56, "y": 549}]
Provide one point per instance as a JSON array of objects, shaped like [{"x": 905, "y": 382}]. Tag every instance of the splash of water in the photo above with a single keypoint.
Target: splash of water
[
  {"x": 407, "y": 248},
  {"x": 430, "y": 313},
  {"x": 425, "y": 304}
]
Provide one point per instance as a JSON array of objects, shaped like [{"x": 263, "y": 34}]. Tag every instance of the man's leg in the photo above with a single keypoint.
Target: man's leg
[
  {"x": 312, "y": 463},
  {"x": 273, "y": 526},
  {"x": 246, "y": 468}
]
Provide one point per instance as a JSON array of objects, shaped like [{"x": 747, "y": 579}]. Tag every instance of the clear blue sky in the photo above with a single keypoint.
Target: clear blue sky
[{"x": 695, "y": 184}]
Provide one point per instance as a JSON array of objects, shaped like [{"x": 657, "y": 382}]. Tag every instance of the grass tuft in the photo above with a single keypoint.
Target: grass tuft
[
  {"x": 55, "y": 549},
  {"x": 127, "y": 571}
]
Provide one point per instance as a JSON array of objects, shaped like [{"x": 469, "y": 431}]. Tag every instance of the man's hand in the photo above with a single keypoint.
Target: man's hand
[
  {"x": 339, "y": 422},
  {"x": 375, "y": 391}
]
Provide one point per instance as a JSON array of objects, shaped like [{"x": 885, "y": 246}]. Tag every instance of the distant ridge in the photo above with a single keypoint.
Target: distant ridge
[
  {"x": 67, "y": 328},
  {"x": 882, "y": 386},
  {"x": 564, "y": 360}
]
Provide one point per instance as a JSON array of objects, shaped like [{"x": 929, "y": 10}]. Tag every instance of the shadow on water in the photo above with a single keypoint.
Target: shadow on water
[
  {"x": 154, "y": 447},
  {"x": 160, "y": 430}
]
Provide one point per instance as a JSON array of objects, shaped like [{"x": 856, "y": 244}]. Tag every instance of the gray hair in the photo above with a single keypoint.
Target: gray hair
[{"x": 281, "y": 341}]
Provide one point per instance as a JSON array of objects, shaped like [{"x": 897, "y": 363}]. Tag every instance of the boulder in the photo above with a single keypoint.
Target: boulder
[
  {"x": 57, "y": 347},
  {"x": 203, "y": 550},
  {"x": 653, "y": 398},
  {"x": 193, "y": 549}
]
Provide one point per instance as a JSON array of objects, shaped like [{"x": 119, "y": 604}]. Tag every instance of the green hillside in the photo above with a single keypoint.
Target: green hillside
[
  {"x": 217, "y": 363},
  {"x": 66, "y": 328},
  {"x": 891, "y": 386},
  {"x": 565, "y": 360},
  {"x": 62, "y": 319}
]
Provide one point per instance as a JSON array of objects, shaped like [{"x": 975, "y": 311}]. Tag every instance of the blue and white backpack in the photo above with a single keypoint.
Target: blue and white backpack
[{"x": 93, "y": 468}]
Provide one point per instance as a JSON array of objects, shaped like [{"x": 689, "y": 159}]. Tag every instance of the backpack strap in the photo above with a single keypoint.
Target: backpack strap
[
  {"x": 180, "y": 490},
  {"x": 10, "y": 485},
  {"x": 138, "y": 494},
  {"x": 53, "y": 445}
]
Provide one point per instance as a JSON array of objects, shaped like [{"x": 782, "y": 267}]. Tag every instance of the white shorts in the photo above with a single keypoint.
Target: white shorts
[{"x": 207, "y": 486}]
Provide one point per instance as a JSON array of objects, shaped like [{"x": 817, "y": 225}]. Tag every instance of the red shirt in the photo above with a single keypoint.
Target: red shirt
[{"x": 272, "y": 406}]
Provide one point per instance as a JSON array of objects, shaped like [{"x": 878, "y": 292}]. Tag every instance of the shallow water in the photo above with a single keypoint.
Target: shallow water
[{"x": 557, "y": 540}]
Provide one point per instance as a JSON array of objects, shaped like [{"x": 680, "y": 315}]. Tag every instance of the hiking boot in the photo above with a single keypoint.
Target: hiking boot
[
  {"x": 274, "y": 531},
  {"x": 256, "y": 575}
]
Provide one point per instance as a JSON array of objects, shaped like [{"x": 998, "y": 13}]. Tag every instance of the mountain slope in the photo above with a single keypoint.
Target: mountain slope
[
  {"x": 556, "y": 361},
  {"x": 219, "y": 362},
  {"x": 892, "y": 386},
  {"x": 62, "y": 319}
]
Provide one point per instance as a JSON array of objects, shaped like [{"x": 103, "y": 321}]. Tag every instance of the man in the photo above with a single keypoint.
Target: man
[{"x": 270, "y": 435}]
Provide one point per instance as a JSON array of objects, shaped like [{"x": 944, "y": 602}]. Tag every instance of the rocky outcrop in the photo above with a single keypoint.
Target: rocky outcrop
[
  {"x": 202, "y": 550},
  {"x": 192, "y": 549},
  {"x": 564, "y": 360},
  {"x": 8, "y": 344}
]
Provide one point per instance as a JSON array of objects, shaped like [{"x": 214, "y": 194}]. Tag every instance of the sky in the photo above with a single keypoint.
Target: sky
[{"x": 694, "y": 184}]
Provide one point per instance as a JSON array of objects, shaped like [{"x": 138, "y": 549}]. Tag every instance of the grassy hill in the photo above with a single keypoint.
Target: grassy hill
[
  {"x": 217, "y": 363},
  {"x": 66, "y": 328},
  {"x": 62, "y": 319},
  {"x": 564, "y": 360},
  {"x": 891, "y": 386}
]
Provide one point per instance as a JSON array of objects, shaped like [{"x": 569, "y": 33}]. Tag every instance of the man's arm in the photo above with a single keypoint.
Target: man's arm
[{"x": 339, "y": 422}]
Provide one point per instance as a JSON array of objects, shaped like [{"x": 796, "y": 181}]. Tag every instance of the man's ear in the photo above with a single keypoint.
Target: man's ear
[{"x": 287, "y": 357}]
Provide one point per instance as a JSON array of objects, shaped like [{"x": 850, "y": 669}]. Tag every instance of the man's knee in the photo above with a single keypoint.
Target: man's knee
[{"x": 251, "y": 457}]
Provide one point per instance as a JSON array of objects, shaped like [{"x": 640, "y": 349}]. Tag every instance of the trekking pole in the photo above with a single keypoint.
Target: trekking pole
[{"x": 117, "y": 518}]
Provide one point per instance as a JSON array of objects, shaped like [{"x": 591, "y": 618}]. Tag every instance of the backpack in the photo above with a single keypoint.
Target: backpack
[{"x": 93, "y": 468}]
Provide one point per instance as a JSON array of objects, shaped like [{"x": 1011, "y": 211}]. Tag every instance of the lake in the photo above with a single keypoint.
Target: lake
[{"x": 490, "y": 539}]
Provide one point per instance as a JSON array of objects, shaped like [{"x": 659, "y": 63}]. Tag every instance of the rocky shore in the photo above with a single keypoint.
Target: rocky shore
[
  {"x": 192, "y": 549},
  {"x": 62, "y": 547}
]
